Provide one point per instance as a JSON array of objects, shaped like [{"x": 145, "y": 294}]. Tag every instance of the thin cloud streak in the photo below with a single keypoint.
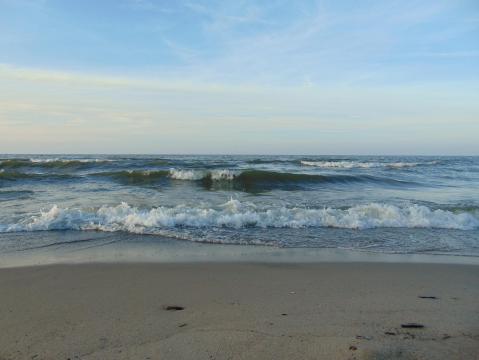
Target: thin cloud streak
[{"x": 215, "y": 76}]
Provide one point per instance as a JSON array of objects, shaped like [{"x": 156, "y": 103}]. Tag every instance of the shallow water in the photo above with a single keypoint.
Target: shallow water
[{"x": 381, "y": 204}]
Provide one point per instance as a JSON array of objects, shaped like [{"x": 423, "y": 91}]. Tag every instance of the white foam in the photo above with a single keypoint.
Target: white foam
[
  {"x": 44, "y": 160},
  {"x": 339, "y": 164},
  {"x": 402, "y": 164},
  {"x": 235, "y": 214},
  {"x": 224, "y": 174},
  {"x": 50, "y": 160},
  {"x": 364, "y": 165},
  {"x": 179, "y": 174}
]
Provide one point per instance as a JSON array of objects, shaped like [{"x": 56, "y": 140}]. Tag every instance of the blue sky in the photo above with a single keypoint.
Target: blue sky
[{"x": 319, "y": 77}]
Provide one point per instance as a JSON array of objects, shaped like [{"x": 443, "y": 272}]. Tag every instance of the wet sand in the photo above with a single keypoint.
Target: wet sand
[{"x": 240, "y": 311}]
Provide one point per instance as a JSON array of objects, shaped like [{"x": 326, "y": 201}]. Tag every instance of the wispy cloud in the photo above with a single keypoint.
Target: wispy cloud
[
  {"x": 225, "y": 17},
  {"x": 82, "y": 79},
  {"x": 202, "y": 76}
]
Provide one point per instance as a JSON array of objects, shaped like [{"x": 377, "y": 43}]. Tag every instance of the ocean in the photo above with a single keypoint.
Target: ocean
[{"x": 384, "y": 204}]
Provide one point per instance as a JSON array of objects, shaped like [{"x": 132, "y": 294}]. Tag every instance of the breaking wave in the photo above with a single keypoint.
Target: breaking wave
[
  {"x": 175, "y": 174},
  {"x": 53, "y": 163},
  {"x": 248, "y": 180},
  {"x": 66, "y": 161},
  {"x": 235, "y": 214},
  {"x": 271, "y": 161},
  {"x": 363, "y": 165},
  {"x": 216, "y": 175}
]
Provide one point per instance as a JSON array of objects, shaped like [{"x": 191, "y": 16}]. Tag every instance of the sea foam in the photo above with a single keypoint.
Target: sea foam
[
  {"x": 363, "y": 165},
  {"x": 60, "y": 160},
  {"x": 236, "y": 214},
  {"x": 224, "y": 174}
]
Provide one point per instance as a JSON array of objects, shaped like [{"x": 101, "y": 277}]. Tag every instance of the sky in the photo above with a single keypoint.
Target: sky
[{"x": 239, "y": 77}]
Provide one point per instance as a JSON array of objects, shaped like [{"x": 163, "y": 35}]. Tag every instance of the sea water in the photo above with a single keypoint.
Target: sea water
[{"x": 386, "y": 204}]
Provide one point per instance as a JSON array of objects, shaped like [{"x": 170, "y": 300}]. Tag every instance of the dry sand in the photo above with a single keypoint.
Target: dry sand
[{"x": 239, "y": 311}]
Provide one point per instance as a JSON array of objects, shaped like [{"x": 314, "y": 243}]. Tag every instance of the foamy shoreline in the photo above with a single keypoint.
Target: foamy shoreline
[{"x": 126, "y": 248}]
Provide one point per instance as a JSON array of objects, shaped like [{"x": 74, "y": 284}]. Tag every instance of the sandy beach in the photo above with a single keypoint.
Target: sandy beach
[
  {"x": 239, "y": 180},
  {"x": 240, "y": 311}
]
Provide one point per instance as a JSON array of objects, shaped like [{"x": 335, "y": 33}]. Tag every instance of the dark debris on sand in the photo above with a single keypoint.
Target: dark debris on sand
[{"x": 173, "y": 307}]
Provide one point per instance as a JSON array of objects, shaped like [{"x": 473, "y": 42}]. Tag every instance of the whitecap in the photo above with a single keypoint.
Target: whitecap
[
  {"x": 363, "y": 165},
  {"x": 235, "y": 214}
]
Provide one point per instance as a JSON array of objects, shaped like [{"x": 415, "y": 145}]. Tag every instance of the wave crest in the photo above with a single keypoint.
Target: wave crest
[
  {"x": 235, "y": 214},
  {"x": 363, "y": 165},
  {"x": 15, "y": 175},
  {"x": 245, "y": 180},
  {"x": 54, "y": 163}
]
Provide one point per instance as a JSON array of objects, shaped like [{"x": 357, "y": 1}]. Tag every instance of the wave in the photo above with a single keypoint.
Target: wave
[
  {"x": 338, "y": 164},
  {"x": 50, "y": 163},
  {"x": 235, "y": 214},
  {"x": 215, "y": 175},
  {"x": 15, "y": 176},
  {"x": 158, "y": 162},
  {"x": 245, "y": 180},
  {"x": 271, "y": 161},
  {"x": 144, "y": 177},
  {"x": 59, "y": 160},
  {"x": 135, "y": 177},
  {"x": 260, "y": 178},
  {"x": 363, "y": 165}
]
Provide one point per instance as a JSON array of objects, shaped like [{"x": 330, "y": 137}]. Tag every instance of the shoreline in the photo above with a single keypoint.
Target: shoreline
[
  {"x": 240, "y": 310},
  {"x": 127, "y": 249}
]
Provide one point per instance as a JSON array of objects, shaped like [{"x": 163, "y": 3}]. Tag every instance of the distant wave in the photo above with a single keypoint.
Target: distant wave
[
  {"x": 133, "y": 177},
  {"x": 158, "y": 162},
  {"x": 215, "y": 175},
  {"x": 50, "y": 163},
  {"x": 271, "y": 161},
  {"x": 235, "y": 214},
  {"x": 153, "y": 176},
  {"x": 66, "y": 161},
  {"x": 251, "y": 177},
  {"x": 15, "y": 175},
  {"x": 197, "y": 167},
  {"x": 242, "y": 180},
  {"x": 364, "y": 165}
]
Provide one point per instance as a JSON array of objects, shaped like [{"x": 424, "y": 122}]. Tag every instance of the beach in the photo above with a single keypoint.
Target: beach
[
  {"x": 239, "y": 257},
  {"x": 240, "y": 310},
  {"x": 239, "y": 180}
]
